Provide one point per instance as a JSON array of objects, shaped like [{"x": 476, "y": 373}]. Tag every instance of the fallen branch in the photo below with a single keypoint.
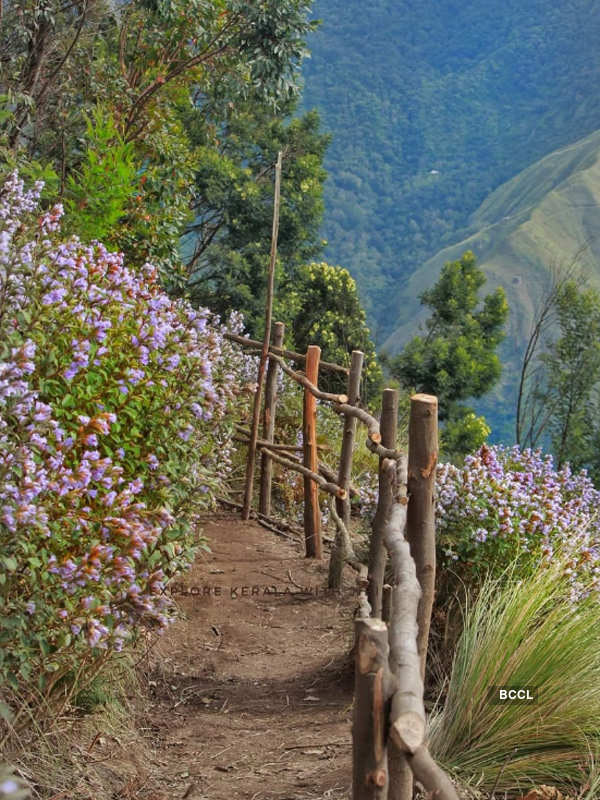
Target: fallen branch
[{"x": 266, "y": 521}]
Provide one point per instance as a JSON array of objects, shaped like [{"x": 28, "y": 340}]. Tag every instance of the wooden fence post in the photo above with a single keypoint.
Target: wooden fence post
[
  {"x": 377, "y": 551},
  {"x": 420, "y": 526},
  {"x": 343, "y": 506},
  {"x": 266, "y": 474},
  {"x": 312, "y": 513},
  {"x": 371, "y": 693}
]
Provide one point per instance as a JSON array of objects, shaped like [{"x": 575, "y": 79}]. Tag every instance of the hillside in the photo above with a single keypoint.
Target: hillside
[
  {"x": 433, "y": 106},
  {"x": 541, "y": 218}
]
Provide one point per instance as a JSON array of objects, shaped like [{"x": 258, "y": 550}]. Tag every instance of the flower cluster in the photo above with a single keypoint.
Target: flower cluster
[
  {"x": 511, "y": 507},
  {"x": 114, "y": 405}
]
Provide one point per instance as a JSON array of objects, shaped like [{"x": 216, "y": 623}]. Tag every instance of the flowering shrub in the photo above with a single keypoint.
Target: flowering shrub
[
  {"x": 113, "y": 433},
  {"x": 507, "y": 506}
]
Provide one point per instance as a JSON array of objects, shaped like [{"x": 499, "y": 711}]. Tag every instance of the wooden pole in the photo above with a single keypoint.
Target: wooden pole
[
  {"x": 420, "y": 529},
  {"x": 343, "y": 507},
  {"x": 265, "y": 349},
  {"x": 312, "y": 514},
  {"x": 371, "y": 692},
  {"x": 377, "y": 552},
  {"x": 266, "y": 473}
]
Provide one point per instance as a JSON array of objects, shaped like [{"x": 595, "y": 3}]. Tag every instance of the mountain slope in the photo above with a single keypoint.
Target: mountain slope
[
  {"x": 432, "y": 106},
  {"x": 546, "y": 216}
]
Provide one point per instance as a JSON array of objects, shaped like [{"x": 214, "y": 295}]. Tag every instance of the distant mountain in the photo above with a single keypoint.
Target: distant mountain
[
  {"x": 547, "y": 215},
  {"x": 433, "y": 105}
]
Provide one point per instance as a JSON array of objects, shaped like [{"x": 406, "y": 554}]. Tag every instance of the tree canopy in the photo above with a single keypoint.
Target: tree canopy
[{"x": 456, "y": 358}]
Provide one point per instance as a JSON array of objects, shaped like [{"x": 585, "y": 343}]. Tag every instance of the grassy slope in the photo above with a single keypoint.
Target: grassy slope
[{"x": 542, "y": 217}]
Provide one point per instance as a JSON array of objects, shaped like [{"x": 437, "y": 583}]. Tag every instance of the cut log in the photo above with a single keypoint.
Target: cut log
[
  {"x": 407, "y": 715},
  {"x": 342, "y": 551},
  {"x": 312, "y": 512},
  {"x": 349, "y": 433}
]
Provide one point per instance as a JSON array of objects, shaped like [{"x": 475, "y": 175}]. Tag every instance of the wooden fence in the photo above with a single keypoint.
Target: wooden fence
[{"x": 392, "y": 624}]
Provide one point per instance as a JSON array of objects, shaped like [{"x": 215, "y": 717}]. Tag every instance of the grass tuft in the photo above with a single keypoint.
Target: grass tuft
[{"x": 523, "y": 633}]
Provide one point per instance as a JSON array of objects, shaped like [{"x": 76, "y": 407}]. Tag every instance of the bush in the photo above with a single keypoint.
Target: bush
[
  {"x": 511, "y": 507},
  {"x": 524, "y": 633},
  {"x": 113, "y": 419}
]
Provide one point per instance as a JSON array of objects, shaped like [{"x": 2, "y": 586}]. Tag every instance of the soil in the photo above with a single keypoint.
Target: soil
[{"x": 250, "y": 695}]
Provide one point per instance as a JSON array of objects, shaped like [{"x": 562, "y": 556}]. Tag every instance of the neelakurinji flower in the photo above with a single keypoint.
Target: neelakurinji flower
[
  {"x": 507, "y": 506},
  {"x": 98, "y": 486}
]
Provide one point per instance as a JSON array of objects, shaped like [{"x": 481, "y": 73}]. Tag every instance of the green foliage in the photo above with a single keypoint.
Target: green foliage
[
  {"x": 325, "y": 310},
  {"x": 523, "y": 633},
  {"x": 568, "y": 392},
  {"x": 148, "y": 66},
  {"x": 464, "y": 432},
  {"x": 432, "y": 106},
  {"x": 96, "y": 194},
  {"x": 457, "y": 358},
  {"x": 227, "y": 246}
]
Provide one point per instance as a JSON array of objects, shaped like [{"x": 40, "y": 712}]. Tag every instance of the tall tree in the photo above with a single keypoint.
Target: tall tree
[
  {"x": 325, "y": 309},
  {"x": 532, "y": 412},
  {"x": 146, "y": 64},
  {"x": 226, "y": 247},
  {"x": 456, "y": 358},
  {"x": 567, "y": 390}
]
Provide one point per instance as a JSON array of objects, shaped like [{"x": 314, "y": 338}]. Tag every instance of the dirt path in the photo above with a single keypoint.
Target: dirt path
[{"x": 250, "y": 696}]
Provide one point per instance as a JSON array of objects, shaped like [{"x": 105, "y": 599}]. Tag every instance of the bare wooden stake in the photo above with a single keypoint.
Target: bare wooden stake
[
  {"x": 266, "y": 473},
  {"x": 265, "y": 348},
  {"x": 312, "y": 513},
  {"x": 377, "y": 551},
  {"x": 343, "y": 508},
  {"x": 420, "y": 530}
]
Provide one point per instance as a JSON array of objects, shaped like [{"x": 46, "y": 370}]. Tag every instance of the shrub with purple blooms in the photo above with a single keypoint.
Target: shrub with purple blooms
[
  {"x": 114, "y": 432},
  {"x": 511, "y": 507}
]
